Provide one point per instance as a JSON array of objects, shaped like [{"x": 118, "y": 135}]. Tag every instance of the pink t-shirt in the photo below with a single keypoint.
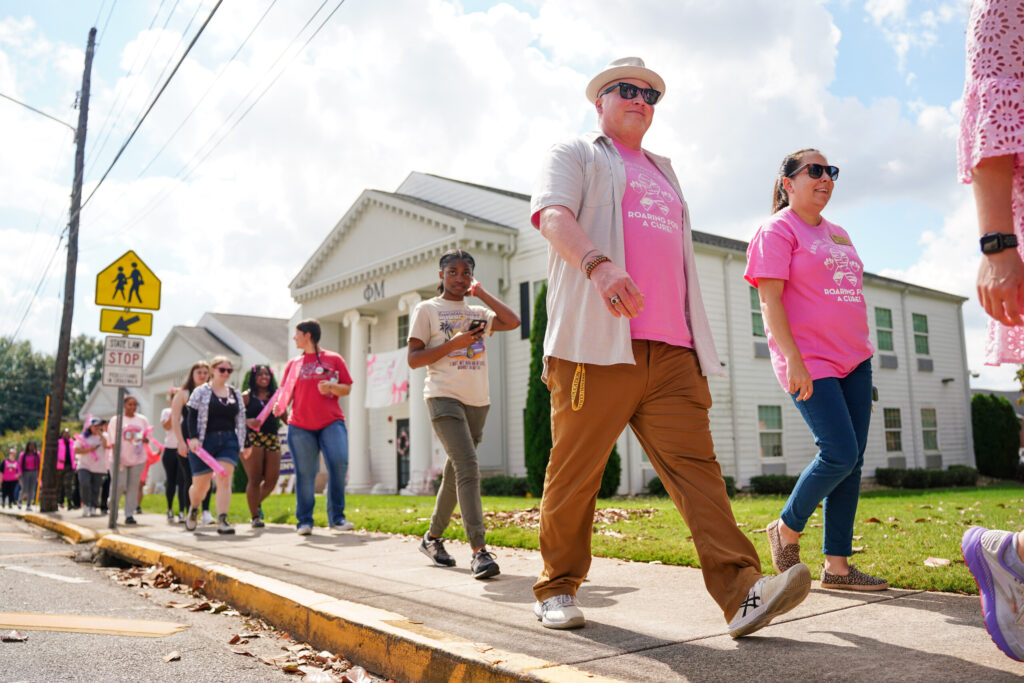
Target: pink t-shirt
[
  {"x": 652, "y": 224},
  {"x": 132, "y": 429},
  {"x": 823, "y": 295},
  {"x": 12, "y": 470},
  {"x": 311, "y": 409}
]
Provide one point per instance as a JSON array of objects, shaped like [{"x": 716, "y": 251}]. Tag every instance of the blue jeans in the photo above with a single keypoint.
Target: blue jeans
[
  {"x": 838, "y": 413},
  {"x": 305, "y": 446}
]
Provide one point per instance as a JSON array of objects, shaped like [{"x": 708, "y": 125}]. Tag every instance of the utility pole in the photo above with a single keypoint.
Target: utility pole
[{"x": 48, "y": 493}]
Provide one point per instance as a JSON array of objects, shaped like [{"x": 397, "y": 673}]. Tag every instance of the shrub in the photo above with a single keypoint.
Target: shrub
[
  {"x": 917, "y": 478},
  {"x": 773, "y": 483},
  {"x": 503, "y": 485},
  {"x": 890, "y": 476},
  {"x": 612, "y": 475},
  {"x": 537, "y": 421},
  {"x": 239, "y": 480},
  {"x": 656, "y": 488},
  {"x": 996, "y": 436},
  {"x": 963, "y": 475}
]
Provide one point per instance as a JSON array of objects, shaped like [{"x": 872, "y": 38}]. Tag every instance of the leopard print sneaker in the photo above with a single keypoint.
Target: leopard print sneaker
[
  {"x": 783, "y": 556},
  {"x": 856, "y": 580}
]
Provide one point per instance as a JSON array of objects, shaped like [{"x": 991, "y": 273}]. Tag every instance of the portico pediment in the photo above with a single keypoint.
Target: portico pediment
[{"x": 385, "y": 232}]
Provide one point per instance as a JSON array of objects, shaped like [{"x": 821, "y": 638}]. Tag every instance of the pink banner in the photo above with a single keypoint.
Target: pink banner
[
  {"x": 85, "y": 444},
  {"x": 208, "y": 459},
  {"x": 265, "y": 413},
  {"x": 291, "y": 377}
]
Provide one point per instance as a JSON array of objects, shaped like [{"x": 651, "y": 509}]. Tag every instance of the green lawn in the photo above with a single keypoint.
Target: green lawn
[{"x": 896, "y": 531}]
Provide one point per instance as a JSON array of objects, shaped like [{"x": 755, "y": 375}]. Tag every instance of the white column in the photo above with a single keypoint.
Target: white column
[
  {"x": 359, "y": 476},
  {"x": 419, "y": 420}
]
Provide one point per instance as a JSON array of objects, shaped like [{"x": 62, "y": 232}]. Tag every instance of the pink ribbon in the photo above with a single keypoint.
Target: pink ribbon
[
  {"x": 265, "y": 413},
  {"x": 291, "y": 377},
  {"x": 151, "y": 455},
  {"x": 209, "y": 460},
  {"x": 80, "y": 440}
]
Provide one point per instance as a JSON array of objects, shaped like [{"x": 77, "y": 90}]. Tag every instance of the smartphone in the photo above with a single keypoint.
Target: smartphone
[{"x": 477, "y": 325}]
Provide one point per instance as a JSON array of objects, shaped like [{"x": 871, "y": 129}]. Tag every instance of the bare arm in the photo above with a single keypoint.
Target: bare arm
[
  {"x": 420, "y": 356},
  {"x": 506, "y": 318},
  {"x": 769, "y": 290},
  {"x": 1000, "y": 276},
  {"x": 559, "y": 227},
  {"x": 337, "y": 388},
  {"x": 177, "y": 403}
]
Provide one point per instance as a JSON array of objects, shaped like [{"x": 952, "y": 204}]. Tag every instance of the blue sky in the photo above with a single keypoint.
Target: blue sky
[{"x": 749, "y": 80}]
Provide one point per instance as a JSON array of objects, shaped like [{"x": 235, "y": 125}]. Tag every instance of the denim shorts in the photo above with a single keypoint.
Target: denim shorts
[{"x": 223, "y": 446}]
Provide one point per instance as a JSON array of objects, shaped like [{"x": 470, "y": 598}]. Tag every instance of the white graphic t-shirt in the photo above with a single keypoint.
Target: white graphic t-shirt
[
  {"x": 462, "y": 374},
  {"x": 652, "y": 224}
]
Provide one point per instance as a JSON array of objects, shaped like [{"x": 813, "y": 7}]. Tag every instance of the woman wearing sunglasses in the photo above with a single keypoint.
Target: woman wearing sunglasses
[
  {"x": 810, "y": 283},
  {"x": 215, "y": 422}
]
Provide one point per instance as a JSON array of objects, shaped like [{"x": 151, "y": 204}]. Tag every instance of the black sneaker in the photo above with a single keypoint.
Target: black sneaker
[
  {"x": 483, "y": 565},
  {"x": 222, "y": 525},
  {"x": 192, "y": 521},
  {"x": 434, "y": 549},
  {"x": 130, "y": 520},
  {"x": 257, "y": 522}
]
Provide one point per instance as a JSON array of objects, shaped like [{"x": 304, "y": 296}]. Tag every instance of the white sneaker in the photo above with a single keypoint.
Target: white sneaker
[
  {"x": 560, "y": 611},
  {"x": 344, "y": 526},
  {"x": 85, "y": 511},
  {"x": 305, "y": 530},
  {"x": 770, "y": 597},
  {"x": 1002, "y": 591},
  {"x": 207, "y": 518}
]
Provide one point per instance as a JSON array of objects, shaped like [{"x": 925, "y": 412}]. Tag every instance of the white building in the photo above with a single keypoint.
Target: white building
[{"x": 382, "y": 258}]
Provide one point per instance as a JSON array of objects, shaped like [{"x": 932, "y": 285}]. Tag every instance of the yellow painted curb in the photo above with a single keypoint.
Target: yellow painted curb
[
  {"x": 71, "y": 532},
  {"x": 380, "y": 640}
]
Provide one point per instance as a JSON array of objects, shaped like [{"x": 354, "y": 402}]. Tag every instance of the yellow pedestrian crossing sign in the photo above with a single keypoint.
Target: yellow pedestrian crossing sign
[
  {"x": 126, "y": 322},
  {"x": 128, "y": 283}
]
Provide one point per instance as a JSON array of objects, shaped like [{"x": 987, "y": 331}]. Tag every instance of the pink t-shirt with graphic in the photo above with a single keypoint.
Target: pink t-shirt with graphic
[
  {"x": 652, "y": 222},
  {"x": 823, "y": 295}
]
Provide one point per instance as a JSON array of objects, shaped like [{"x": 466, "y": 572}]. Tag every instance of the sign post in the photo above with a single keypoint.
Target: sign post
[{"x": 122, "y": 367}]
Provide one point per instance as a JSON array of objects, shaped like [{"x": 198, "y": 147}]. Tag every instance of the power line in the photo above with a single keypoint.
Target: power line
[
  {"x": 188, "y": 171},
  {"x": 35, "y": 294},
  {"x": 43, "y": 113},
  {"x": 153, "y": 103},
  {"x": 107, "y": 22}
]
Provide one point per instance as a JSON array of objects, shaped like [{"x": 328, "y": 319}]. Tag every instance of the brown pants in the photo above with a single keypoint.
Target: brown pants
[{"x": 665, "y": 400}]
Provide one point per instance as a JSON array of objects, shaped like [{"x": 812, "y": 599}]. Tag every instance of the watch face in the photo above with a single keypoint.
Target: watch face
[{"x": 990, "y": 244}]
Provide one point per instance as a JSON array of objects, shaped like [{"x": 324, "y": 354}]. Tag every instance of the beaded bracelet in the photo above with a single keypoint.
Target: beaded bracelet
[{"x": 594, "y": 264}]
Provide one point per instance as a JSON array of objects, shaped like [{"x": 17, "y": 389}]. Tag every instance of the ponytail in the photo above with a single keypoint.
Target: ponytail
[{"x": 780, "y": 199}]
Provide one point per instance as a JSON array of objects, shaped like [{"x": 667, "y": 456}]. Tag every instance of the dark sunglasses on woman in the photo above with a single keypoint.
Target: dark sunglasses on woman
[
  {"x": 628, "y": 91},
  {"x": 815, "y": 171}
]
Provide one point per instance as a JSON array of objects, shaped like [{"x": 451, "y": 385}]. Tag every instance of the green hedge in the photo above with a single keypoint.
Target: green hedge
[
  {"x": 504, "y": 485},
  {"x": 917, "y": 478},
  {"x": 773, "y": 483},
  {"x": 656, "y": 488},
  {"x": 996, "y": 435}
]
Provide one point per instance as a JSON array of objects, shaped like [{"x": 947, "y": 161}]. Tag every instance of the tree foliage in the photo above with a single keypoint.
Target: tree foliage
[
  {"x": 85, "y": 366},
  {"x": 996, "y": 435},
  {"x": 537, "y": 423},
  {"x": 25, "y": 378}
]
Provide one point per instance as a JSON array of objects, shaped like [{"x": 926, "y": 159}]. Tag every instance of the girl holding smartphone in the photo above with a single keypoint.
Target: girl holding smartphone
[{"x": 447, "y": 336}]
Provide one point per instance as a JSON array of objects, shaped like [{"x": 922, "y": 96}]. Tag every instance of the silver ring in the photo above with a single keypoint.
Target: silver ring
[{"x": 615, "y": 300}]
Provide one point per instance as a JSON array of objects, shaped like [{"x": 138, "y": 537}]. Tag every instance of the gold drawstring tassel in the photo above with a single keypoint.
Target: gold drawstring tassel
[{"x": 579, "y": 382}]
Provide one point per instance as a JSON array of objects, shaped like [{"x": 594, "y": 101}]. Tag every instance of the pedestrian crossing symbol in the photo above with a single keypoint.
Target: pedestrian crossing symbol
[{"x": 128, "y": 283}]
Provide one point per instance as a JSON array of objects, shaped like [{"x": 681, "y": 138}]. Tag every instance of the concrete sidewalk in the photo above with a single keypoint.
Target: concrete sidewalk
[{"x": 645, "y": 622}]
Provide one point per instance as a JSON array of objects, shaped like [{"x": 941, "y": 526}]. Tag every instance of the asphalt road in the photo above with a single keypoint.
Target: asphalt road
[{"x": 38, "y": 574}]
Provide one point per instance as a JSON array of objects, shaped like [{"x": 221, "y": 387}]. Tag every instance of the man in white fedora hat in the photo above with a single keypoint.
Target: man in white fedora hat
[{"x": 628, "y": 343}]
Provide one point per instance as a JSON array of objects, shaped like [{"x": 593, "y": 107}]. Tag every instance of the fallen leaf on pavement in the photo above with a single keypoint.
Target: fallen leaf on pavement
[
  {"x": 199, "y": 607},
  {"x": 178, "y": 605},
  {"x": 234, "y": 639},
  {"x": 172, "y": 657},
  {"x": 320, "y": 676},
  {"x": 242, "y": 651},
  {"x": 13, "y": 637},
  {"x": 357, "y": 674},
  {"x": 936, "y": 562}
]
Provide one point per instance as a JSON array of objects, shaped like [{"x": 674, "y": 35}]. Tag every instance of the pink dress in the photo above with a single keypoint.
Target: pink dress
[{"x": 992, "y": 124}]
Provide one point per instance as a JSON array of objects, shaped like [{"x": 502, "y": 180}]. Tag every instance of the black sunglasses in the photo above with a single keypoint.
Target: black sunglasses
[
  {"x": 628, "y": 91},
  {"x": 815, "y": 171},
  {"x": 226, "y": 371}
]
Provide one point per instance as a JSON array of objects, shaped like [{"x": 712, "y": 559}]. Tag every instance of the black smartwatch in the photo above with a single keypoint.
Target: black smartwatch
[{"x": 995, "y": 242}]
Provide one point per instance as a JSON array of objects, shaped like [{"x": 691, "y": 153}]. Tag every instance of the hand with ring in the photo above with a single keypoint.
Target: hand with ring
[
  {"x": 615, "y": 300},
  {"x": 621, "y": 295}
]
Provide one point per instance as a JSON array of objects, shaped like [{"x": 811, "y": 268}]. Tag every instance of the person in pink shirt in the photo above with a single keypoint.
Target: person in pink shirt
[
  {"x": 29, "y": 460},
  {"x": 991, "y": 158},
  {"x": 810, "y": 283},
  {"x": 11, "y": 473}
]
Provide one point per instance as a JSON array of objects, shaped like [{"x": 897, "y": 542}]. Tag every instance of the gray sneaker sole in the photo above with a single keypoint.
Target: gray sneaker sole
[
  {"x": 432, "y": 559},
  {"x": 794, "y": 592},
  {"x": 487, "y": 571}
]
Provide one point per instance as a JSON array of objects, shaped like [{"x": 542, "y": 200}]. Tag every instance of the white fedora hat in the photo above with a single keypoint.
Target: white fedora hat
[{"x": 625, "y": 67}]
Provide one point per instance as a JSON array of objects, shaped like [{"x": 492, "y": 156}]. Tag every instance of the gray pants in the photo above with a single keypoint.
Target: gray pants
[
  {"x": 459, "y": 428},
  {"x": 90, "y": 484},
  {"x": 128, "y": 484},
  {"x": 29, "y": 482}
]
